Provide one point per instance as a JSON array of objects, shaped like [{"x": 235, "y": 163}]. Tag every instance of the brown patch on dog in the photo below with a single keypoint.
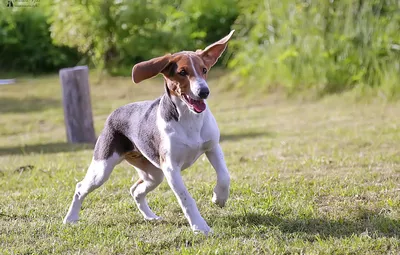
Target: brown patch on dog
[
  {"x": 136, "y": 159},
  {"x": 193, "y": 63},
  {"x": 133, "y": 155},
  {"x": 149, "y": 68},
  {"x": 139, "y": 181},
  {"x": 162, "y": 158},
  {"x": 183, "y": 67}
]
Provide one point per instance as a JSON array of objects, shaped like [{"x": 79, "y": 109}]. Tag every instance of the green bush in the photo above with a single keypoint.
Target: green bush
[
  {"x": 108, "y": 34},
  {"x": 117, "y": 34},
  {"x": 325, "y": 46},
  {"x": 300, "y": 46},
  {"x": 26, "y": 45}
]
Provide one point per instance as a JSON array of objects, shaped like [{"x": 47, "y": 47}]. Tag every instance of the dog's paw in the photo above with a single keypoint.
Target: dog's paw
[
  {"x": 220, "y": 196},
  {"x": 205, "y": 230},
  {"x": 200, "y": 226},
  {"x": 70, "y": 219},
  {"x": 153, "y": 218}
]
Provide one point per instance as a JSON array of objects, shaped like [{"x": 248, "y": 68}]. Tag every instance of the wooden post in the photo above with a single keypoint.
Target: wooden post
[{"x": 77, "y": 107}]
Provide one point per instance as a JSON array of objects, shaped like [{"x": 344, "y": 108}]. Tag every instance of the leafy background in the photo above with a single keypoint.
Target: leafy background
[{"x": 310, "y": 46}]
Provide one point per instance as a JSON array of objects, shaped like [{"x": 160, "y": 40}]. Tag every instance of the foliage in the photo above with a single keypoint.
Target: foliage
[
  {"x": 327, "y": 46},
  {"x": 118, "y": 33},
  {"x": 26, "y": 45},
  {"x": 309, "y": 46}
]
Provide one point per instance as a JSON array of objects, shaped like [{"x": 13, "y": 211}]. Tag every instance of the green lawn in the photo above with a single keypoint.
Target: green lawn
[{"x": 319, "y": 177}]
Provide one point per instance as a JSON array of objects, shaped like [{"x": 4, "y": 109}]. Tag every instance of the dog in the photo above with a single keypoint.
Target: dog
[{"x": 163, "y": 137}]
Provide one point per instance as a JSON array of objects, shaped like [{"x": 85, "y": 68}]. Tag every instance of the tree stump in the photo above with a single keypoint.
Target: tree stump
[{"x": 77, "y": 106}]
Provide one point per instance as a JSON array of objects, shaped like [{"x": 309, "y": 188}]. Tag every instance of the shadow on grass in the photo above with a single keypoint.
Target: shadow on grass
[
  {"x": 30, "y": 104},
  {"x": 366, "y": 223},
  {"x": 247, "y": 135},
  {"x": 67, "y": 147},
  {"x": 44, "y": 148}
]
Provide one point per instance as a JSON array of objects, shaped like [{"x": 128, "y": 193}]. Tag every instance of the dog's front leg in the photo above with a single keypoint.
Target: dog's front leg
[
  {"x": 175, "y": 181},
  {"x": 221, "y": 190}
]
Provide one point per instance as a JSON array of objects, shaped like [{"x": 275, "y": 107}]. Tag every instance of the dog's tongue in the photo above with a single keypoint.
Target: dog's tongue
[{"x": 198, "y": 105}]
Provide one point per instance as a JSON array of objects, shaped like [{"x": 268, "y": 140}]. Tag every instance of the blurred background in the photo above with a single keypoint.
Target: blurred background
[{"x": 298, "y": 47}]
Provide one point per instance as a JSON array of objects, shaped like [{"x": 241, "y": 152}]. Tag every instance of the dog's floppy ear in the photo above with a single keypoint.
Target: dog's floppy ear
[
  {"x": 211, "y": 54},
  {"x": 147, "y": 69}
]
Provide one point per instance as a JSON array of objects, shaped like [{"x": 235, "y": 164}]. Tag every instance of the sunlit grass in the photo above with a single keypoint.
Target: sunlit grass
[{"x": 317, "y": 177}]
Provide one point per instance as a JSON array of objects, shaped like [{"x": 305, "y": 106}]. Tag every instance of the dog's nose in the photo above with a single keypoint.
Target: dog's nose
[{"x": 204, "y": 92}]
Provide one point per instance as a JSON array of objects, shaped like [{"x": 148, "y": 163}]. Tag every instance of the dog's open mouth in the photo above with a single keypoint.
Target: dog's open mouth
[{"x": 193, "y": 104}]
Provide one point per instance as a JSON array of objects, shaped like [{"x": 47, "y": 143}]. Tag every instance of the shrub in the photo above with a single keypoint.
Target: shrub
[
  {"x": 326, "y": 46},
  {"x": 117, "y": 34},
  {"x": 26, "y": 45}
]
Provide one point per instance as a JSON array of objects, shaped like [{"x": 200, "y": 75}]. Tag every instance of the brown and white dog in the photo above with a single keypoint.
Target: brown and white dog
[{"x": 163, "y": 137}]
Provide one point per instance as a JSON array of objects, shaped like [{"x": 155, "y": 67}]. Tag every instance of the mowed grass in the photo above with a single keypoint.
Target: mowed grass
[{"x": 319, "y": 177}]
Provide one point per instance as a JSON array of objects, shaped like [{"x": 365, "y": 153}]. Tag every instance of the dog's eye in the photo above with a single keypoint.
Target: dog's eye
[
  {"x": 183, "y": 73},
  {"x": 204, "y": 70}
]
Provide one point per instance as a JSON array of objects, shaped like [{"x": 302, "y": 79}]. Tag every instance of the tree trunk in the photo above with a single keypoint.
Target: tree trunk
[{"x": 77, "y": 107}]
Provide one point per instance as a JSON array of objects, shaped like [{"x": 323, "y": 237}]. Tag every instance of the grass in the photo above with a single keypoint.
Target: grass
[{"x": 318, "y": 177}]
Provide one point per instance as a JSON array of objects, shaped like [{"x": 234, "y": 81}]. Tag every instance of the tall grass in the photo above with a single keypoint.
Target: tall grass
[{"x": 322, "y": 46}]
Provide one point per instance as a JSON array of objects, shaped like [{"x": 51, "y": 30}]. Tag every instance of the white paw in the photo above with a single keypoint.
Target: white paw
[
  {"x": 220, "y": 195},
  {"x": 202, "y": 228},
  {"x": 153, "y": 218},
  {"x": 70, "y": 219}
]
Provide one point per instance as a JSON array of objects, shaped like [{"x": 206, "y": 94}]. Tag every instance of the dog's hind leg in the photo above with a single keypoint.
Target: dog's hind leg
[
  {"x": 99, "y": 171},
  {"x": 149, "y": 178},
  {"x": 106, "y": 157}
]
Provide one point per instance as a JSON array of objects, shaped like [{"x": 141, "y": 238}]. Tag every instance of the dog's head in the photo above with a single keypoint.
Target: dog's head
[{"x": 184, "y": 72}]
